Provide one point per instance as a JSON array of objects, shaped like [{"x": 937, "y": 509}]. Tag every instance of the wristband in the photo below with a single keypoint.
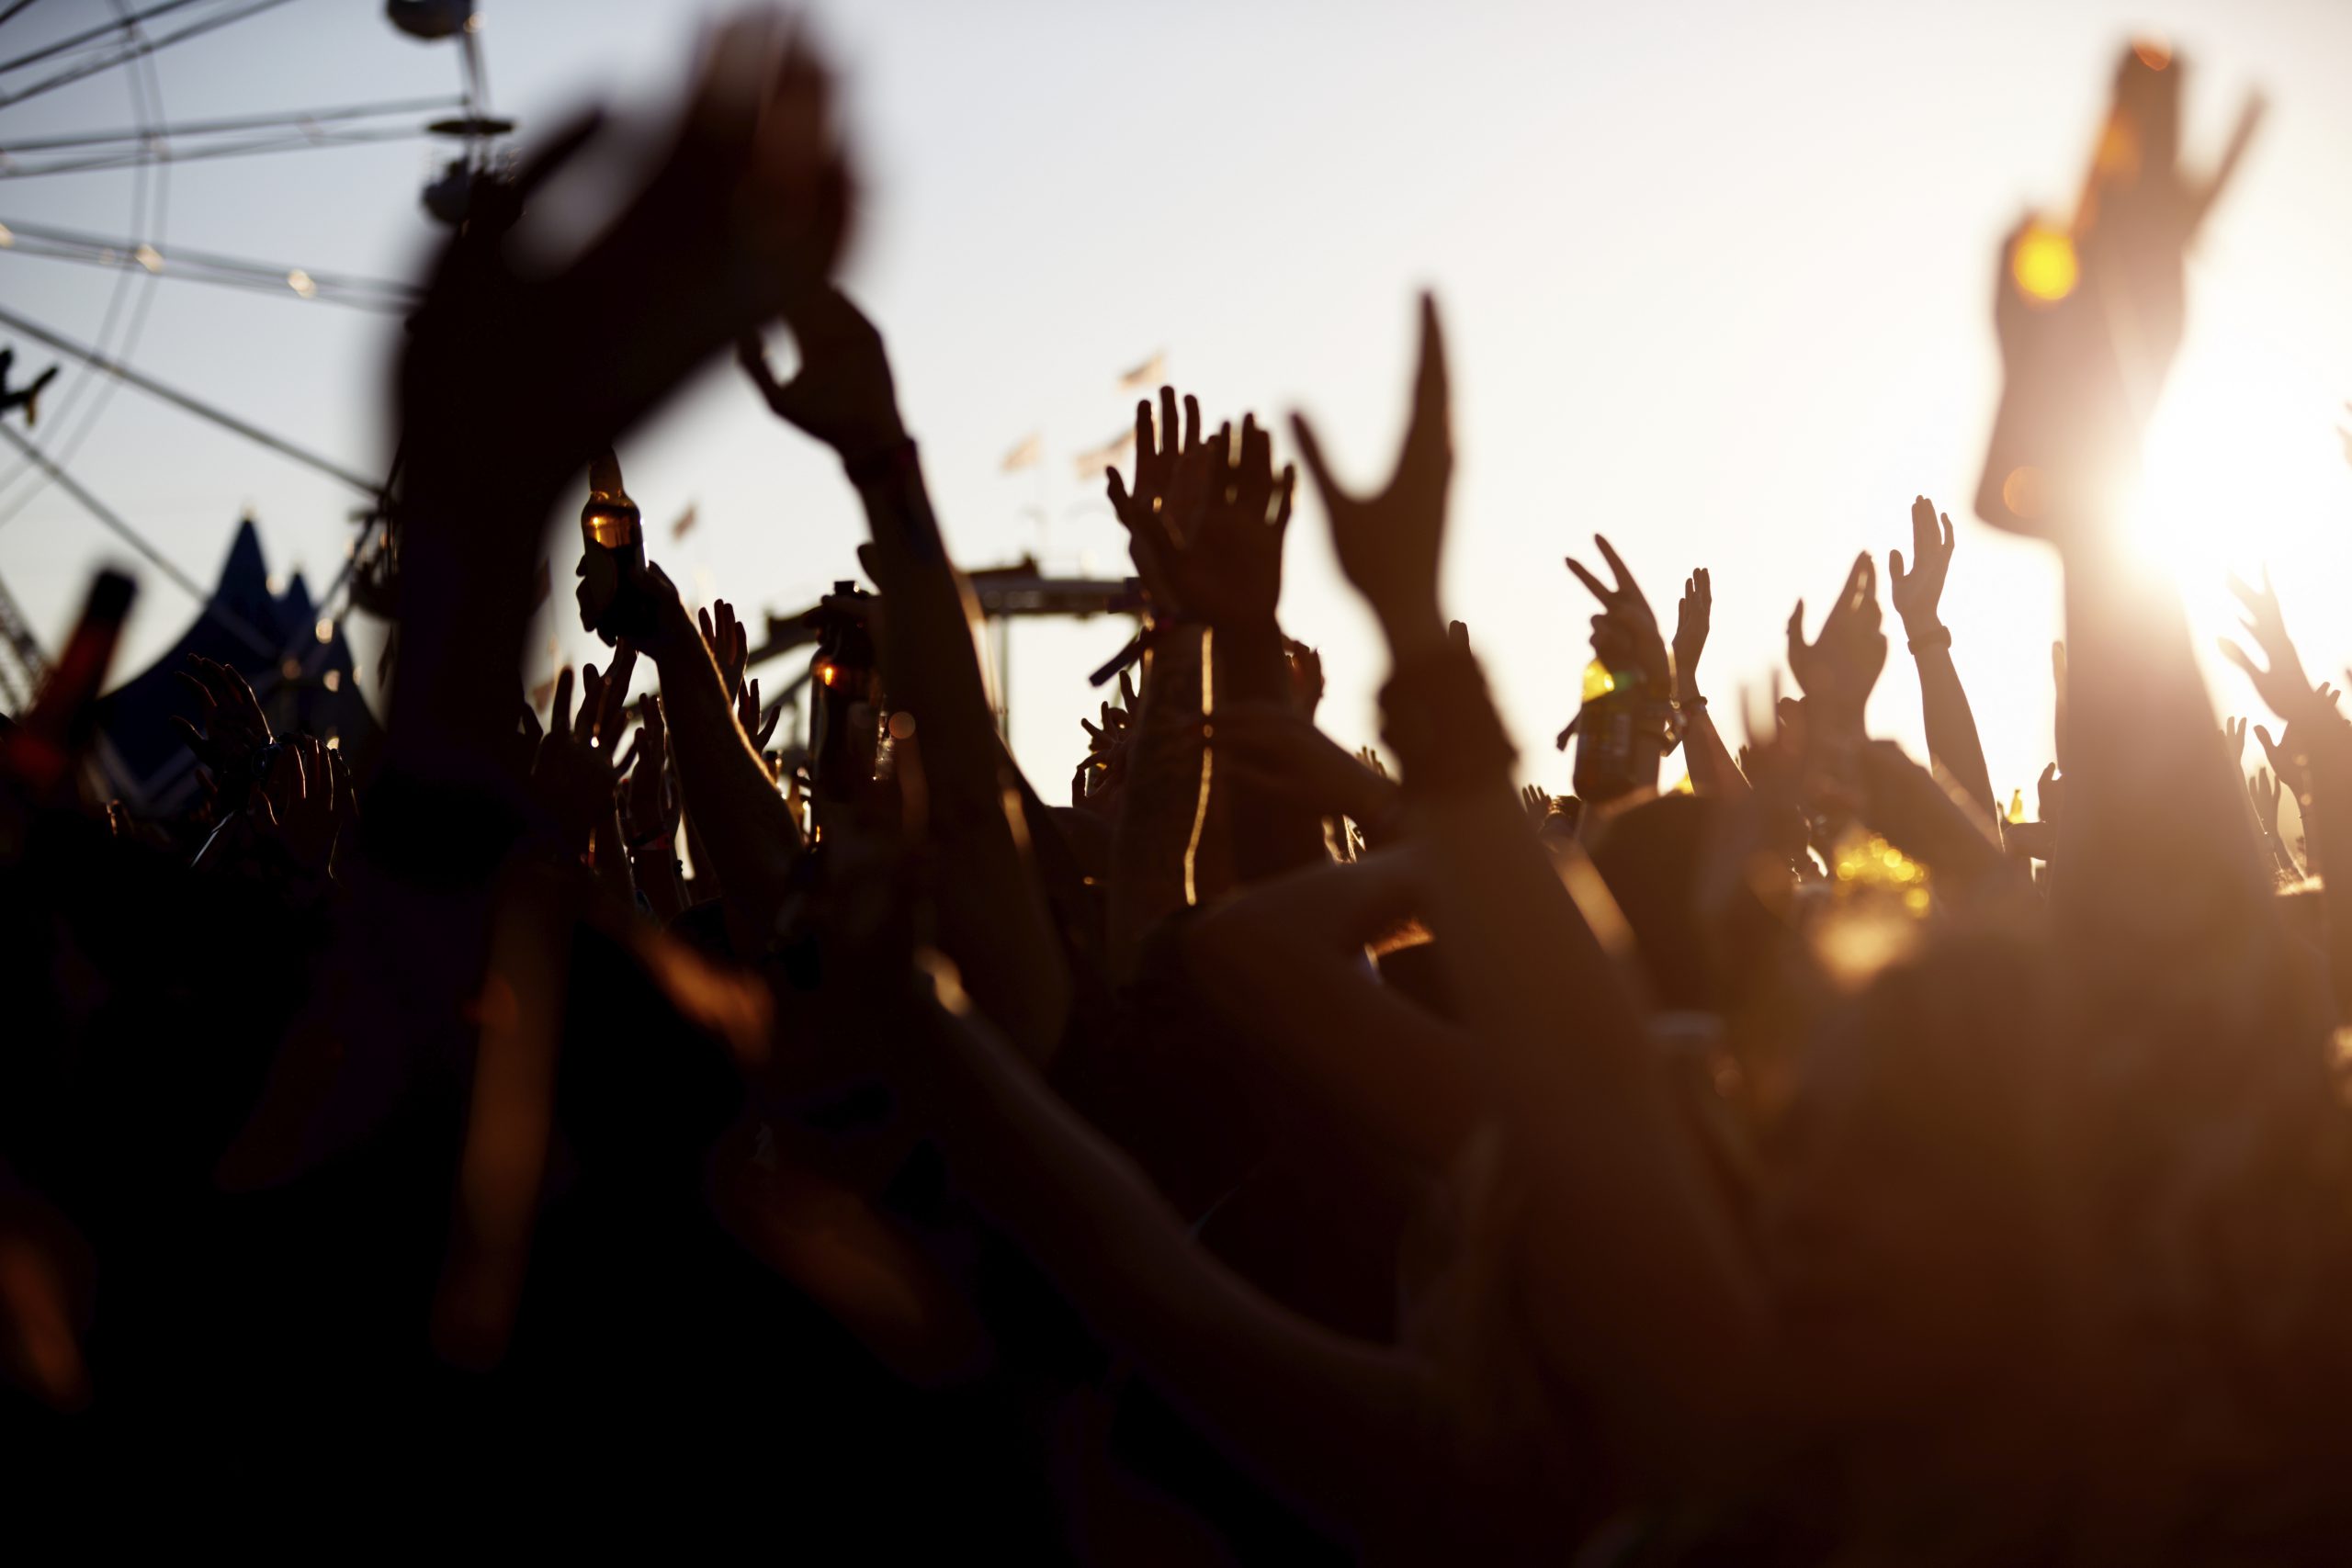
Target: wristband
[{"x": 1934, "y": 637}]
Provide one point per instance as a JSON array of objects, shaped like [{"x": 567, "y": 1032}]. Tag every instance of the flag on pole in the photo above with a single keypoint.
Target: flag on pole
[
  {"x": 1092, "y": 464},
  {"x": 1150, "y": 373},
  {"x": 1026, "y": 456}
]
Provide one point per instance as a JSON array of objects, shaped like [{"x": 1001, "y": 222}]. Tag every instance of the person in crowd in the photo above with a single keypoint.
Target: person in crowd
[{"x": 1271, "y": 1154}]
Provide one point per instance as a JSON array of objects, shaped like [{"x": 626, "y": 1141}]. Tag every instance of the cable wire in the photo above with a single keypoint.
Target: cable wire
[
  {"x": 178, "y": 399},
  {"x": 236, "y": 623}
]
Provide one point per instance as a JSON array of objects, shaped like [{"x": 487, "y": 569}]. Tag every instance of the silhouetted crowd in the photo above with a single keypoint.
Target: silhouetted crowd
[{"x": 544, "y": 1121}]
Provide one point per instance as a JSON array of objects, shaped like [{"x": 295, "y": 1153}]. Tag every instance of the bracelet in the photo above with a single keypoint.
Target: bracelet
[
  {"x": 897, "y": 460},
  {"x": 1935, "y": 636},
  {"x": 1691, "y": 704}
]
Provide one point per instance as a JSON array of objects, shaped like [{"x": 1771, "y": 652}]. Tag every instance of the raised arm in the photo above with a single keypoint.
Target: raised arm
[
  {"x": 1670, "y": 1350},
  {"x": 1156, "y": 863},
  {"x": 741, "y": 823},
  {"x": 1953, "y": 742},
  {"x": 1713, "y": 772},
  {"x": 996, "y": 922},
  {"x": 1220, "y": 548},
  {"x": 2161, "y": 876},
  {"x": 1625, "y": 641},
  {"x": 1284, "y": 962},
  {"x": 2315, "y": 750},
  {"x": 1368, "y": 1436}
]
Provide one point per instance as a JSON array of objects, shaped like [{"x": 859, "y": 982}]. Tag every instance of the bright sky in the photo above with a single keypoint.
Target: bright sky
[{"x": 1716, "y": 279}]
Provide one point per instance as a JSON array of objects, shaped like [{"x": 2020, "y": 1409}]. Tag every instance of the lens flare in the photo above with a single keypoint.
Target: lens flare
[{"x": 2044, "y": 266}]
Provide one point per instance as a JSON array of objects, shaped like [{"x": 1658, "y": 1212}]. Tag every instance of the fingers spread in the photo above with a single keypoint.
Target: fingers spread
[{"x": 1591, "y": 581}]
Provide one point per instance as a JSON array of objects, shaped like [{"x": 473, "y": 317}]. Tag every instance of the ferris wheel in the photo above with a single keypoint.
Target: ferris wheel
[{"x": 59, "y": 379}]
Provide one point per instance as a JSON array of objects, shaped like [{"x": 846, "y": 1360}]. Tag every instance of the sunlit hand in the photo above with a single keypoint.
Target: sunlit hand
[
  {"x": 1389, "y": 544},
  {"x": 2283, "y": 685},
  {"x": 1166, "y": 462},
  {"x": 1917, "y": 590},
  {"x": 730, "y": 644},
  {"x": 1838, "y": 668},
  {"x": 1221, "y": 534},
  {"x": 1625, "y": 610},
  {"x": 1692, "y": 618},
  {"x": 2088, "y": 326},
  {"x": 757, "y": 729},
  {"x": 1103, "y": 775}
]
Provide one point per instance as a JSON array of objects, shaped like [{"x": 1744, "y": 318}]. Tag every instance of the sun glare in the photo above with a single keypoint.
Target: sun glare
[{"x": 2245, "y": 469}]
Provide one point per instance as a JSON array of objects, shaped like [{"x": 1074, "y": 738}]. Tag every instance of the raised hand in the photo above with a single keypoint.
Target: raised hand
[
  {"x": 1626, "y": 621},
  {"x": 1164, "y": 460},
  {"x": 2263, "y": 789},
  {"x": 233, "y": 728},
  {"x": 758, "y": 730},
  {"x": 1691, "y": 617},
  {"x": 1305, "y": 666},
  {"x": 2049, "y": 794},
  {"x": 843, "y": 394},
  {"x": 572, "y": 775},
  {"x": 650, "y": 805},
  {"x": 2288, "y": 760},
  {"x": 743, "y": 217},
  {"x": 2233, "y": 737},
  {"x": 2283, "y": 685},
  {"x": 729, "y": 645},
  {"x": 2089, "y": 322},
  {"x": 1220, "y": 531},
  {"x": 1838, "y": 668},
  {"x": 1917, "y": 590},
  {"x": 1109, "y": 745},
  {"x": 1389, "y": 544},
  {"x": 305, "y": 803}
]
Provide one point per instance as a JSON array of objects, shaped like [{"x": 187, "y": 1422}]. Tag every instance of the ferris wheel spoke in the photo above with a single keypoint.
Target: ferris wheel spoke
[
  {"x": 15, "y": 8},
  {"x": 127, "y": 51},
  {"x": 207, "y": 266},
  {"x": 180, "y": 399},
  {"x": 189, "y": 130},
  {"x": 92, "y": 35},
  {"x": 279, "y": 142},
  {"x": 115, "y": 524}
]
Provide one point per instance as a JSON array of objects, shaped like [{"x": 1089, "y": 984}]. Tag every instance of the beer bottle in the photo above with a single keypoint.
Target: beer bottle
[
  {"x": 1606, "y": 765},
  {"x": 612, "y": 553}
]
